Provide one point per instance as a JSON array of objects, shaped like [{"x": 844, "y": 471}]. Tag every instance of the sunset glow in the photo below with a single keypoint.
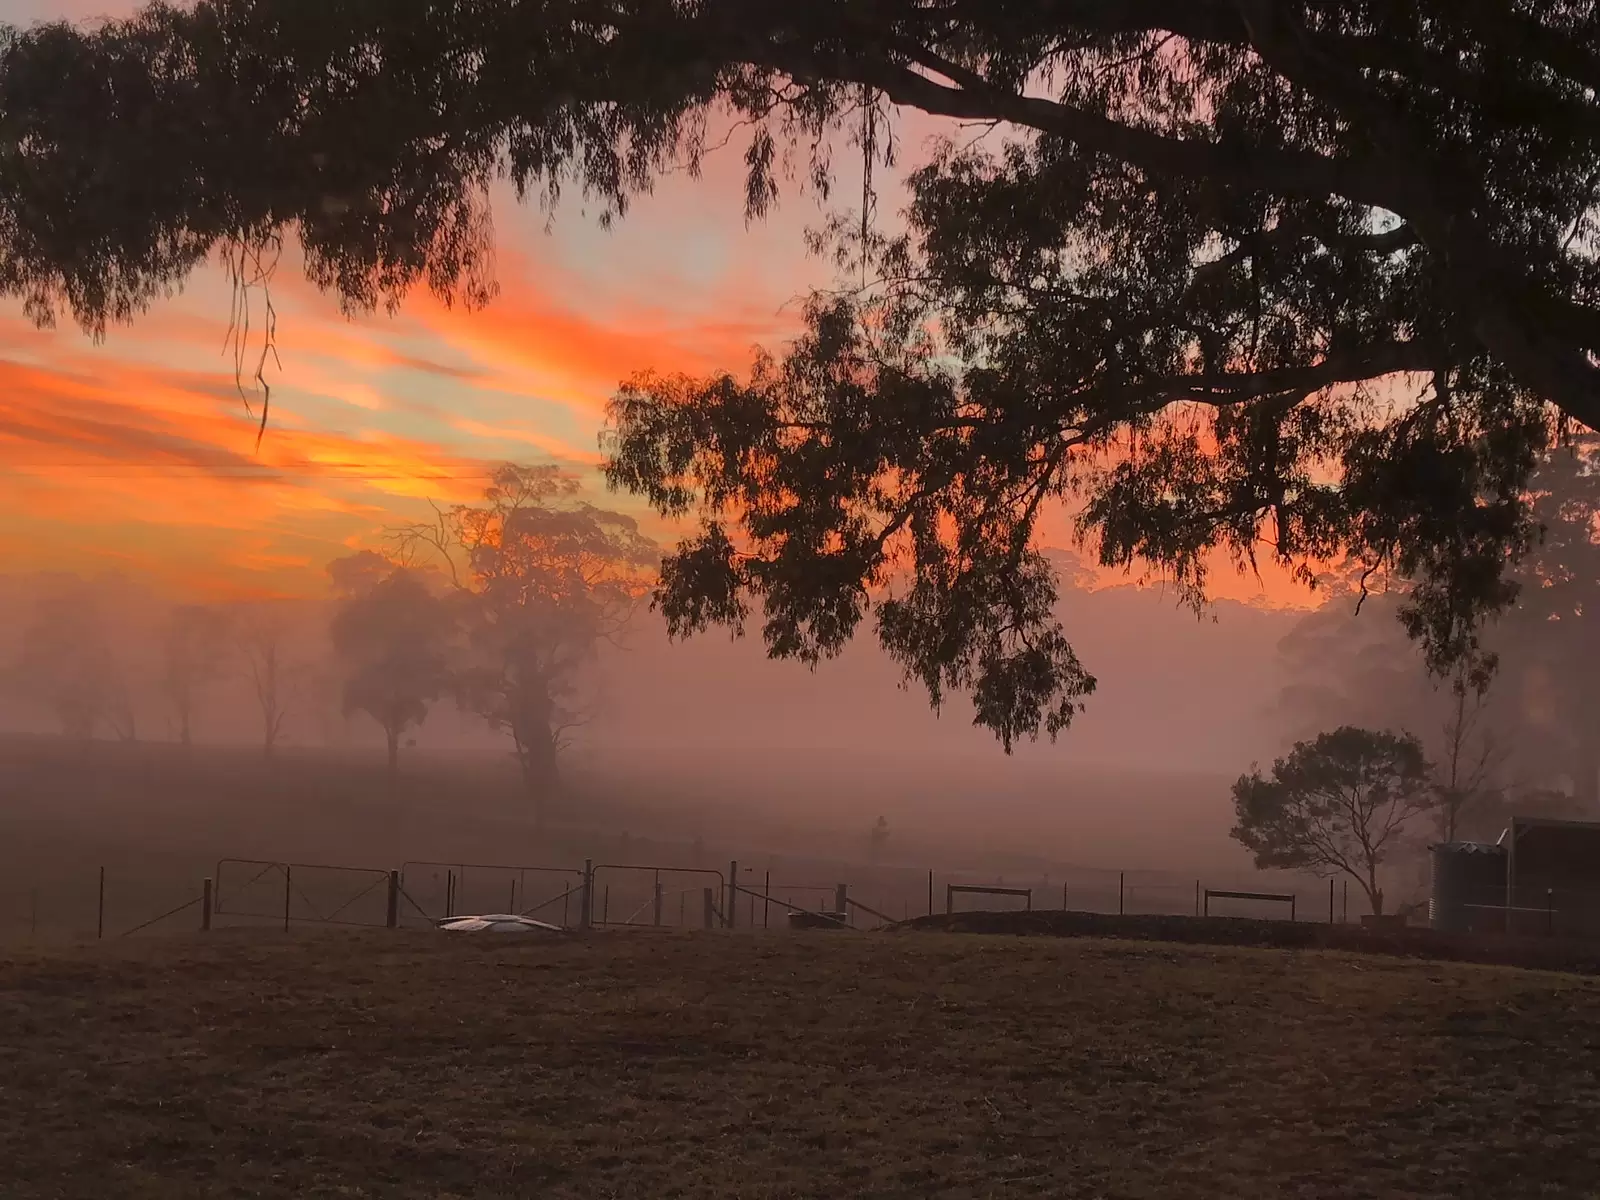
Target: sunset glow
[{"x": 140, "y": 453}]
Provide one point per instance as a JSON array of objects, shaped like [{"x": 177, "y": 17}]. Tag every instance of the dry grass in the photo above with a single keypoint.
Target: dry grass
[{"x": 829, "y": 1065}]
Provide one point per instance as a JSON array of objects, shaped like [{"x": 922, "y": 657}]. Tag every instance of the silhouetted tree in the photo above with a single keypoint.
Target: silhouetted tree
[
  {"x": 877, "y": 839},
  {"x": 391, "y": 633},
  {"x": 269, "y": 667},
  {"x": 1550, "y": 640},
  {"x": 65, "y": 662},
  {"x": 1335, "y": 804},
  {"x": 1245, "y": 277},
  {"x": 1530, "y": 723},
  {"x": 544, "y": 578},
  {"x": 194, "y": 656}
]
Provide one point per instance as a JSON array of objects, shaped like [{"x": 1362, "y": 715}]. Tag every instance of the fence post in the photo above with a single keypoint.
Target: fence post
[
  {"x": 205, "y": 905},
  {"x": 100, "y": 908},
  {"x": 711, "y": 909},
  {"x": 586, "y": 912},
  {"x": 1346, "y": 917},
  {"x": 1330, "y": 899},
  {"x": 841, "y": 899},
  {"x": 766, "y": 896},
  {"x": 1208, "y": 902},
  {"x": 1549, "y": 911},
  {"x": 1197, "y": 897},
  {"x": 449, "y": 893},
  {"x": 1121, "y": 890},
  {"x": 930, "y": 893},
  {"x": 733, "y": 892},
  {"x": 391, "y": 915},
  {"x": 1293, "y": 900},
  {"x": 949, "y": 899},
  {"x": 658, "y": 898}
]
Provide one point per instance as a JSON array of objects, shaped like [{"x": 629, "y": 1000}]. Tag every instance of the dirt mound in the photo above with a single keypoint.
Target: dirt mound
[{"x": 1550, "y": 954}]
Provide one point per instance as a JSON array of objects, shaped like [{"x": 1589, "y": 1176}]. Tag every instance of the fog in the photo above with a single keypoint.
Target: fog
[
  {"x": 708, "y": 732},
  {"x": 703, "y": 741}
]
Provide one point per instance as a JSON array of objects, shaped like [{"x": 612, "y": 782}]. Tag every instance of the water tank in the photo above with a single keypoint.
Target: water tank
[{"x": 1468, "y": 879}]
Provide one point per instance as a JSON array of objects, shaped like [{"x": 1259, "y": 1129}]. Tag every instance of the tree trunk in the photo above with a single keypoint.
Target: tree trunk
[
  {"x": 536, "y": 754},
  {"x": 1374, "y": 895},
  {"x": 393, "y": 735}
]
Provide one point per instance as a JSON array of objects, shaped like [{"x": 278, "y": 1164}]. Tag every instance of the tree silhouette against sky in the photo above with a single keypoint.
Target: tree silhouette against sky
[{"x": 1232, "y": 279}]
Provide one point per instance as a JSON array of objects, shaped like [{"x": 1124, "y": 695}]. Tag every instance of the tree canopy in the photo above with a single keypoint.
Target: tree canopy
[
  {"x": 1336, "y": 803},
  {"x": 392, "y": 635},
  {"x": 543, "y": 578},
  {"x": 1231, "y": 277},
  {"x": 1533, "y": 718}
]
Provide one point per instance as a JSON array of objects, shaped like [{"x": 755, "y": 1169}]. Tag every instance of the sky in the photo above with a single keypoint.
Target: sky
[{"x": 139, "y": 453}]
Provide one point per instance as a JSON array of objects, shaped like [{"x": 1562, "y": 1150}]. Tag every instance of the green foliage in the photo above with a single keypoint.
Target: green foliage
[
  {"x": 1248, "y": 278},
  {"x": 1337, "y": 803}
]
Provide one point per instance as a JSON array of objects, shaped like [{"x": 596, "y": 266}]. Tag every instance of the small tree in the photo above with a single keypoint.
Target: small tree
[
  {"x": 391, "y": 634},
  {"x": 1465, "y": 776},
  {"x": 1336, "y": 804},
  {"x": 193, "y": 657},
  {"x": 267, "y": 665},
  {"x": 66, "y": 663}
]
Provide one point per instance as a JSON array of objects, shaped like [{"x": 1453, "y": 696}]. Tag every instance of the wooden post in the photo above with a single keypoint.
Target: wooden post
[
  {"x": 449, "y": 893},
  {"x": 1121, "y": 891},
  {"x": 391, "y": 915},
  {"x": 1208, "y": 902},
  {"x": 711, "y": 909},
  {"x": 205, "y": 905},
  {"x": 658, "y": 899},
  {"x": 733, "y": 893},
  {"x": 513, "y": 907},
  {"x": 586, "y": 902},
  {"x": 1063, "y": 897},
  {"x": 100, "y": 908},
  {"x": 766, "y": 907},
  {"x": 930, "y": 893},
  {"x": 1330, "y": 899},
  {"x": 949, "y": 899},
  {"x": 286, "y": 886},
  {"x": 1294, "y": 899},
  {"x": 1346, "y": 901},
  {"x": 1197, "y": 897},
  {"x": 841, "y": 899},
  {"x": 605, "y": 906}
]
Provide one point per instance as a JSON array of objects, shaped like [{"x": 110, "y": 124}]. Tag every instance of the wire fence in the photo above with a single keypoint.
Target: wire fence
[{"x": 95, "y": 904}]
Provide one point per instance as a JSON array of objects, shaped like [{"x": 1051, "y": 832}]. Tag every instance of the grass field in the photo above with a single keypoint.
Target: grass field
[{"x": 827, "y": 1065}]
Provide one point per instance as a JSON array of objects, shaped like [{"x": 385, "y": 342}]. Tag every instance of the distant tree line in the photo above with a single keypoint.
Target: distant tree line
[{"x": 498, "y": 606}]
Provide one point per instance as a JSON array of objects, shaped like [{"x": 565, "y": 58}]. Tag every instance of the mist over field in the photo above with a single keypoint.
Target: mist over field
[{"x": 708, "y": 738}]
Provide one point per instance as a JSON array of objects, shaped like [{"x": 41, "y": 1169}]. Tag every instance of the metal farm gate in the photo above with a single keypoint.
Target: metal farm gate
[{"x": 432, "y": 890}]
